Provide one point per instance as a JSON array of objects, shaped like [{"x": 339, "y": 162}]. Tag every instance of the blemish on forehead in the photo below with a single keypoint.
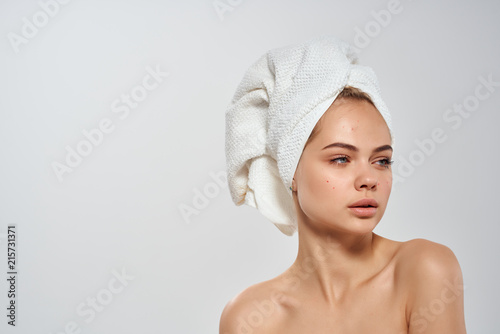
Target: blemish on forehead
[
  {"x": 327, "y": 181},
  {"x": 333, "y": 187}
]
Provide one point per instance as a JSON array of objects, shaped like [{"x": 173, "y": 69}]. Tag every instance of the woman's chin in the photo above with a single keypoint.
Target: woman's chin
[{"x": 350, "y": 226}]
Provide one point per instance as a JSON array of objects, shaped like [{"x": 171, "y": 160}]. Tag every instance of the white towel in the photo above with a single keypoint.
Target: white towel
[{"x": 274, "y": 109}]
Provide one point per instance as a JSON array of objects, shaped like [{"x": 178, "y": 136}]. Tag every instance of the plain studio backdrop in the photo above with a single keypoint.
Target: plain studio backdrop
[{"x": 113, "y": 166}]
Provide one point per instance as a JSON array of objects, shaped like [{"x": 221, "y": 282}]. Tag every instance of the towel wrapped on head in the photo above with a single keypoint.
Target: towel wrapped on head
[{"x": 273, "y": 111}]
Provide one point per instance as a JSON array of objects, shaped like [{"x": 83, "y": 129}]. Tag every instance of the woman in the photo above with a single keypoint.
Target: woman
[{"x": 345, "y": 279}]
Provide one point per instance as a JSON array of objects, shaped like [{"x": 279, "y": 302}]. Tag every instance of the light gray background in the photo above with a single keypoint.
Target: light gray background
[{"x": 120, "y": 208}]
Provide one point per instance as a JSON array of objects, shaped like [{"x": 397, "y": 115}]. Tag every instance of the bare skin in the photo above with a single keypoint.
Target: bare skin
[{"x": 347, "y": 279}]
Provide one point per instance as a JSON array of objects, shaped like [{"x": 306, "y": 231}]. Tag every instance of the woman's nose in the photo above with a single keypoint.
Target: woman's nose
[{"x": 366, "y": 178}]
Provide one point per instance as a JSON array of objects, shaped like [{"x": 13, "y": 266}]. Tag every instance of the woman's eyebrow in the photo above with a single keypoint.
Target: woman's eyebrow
[
  {"x": 355, "y": 149},
  {"x": 342, "y": 145},
  {"x": 383, "y": 148}
]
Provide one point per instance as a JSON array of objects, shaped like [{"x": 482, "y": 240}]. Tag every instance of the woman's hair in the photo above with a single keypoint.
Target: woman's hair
[{"x": 348, "y": 93}]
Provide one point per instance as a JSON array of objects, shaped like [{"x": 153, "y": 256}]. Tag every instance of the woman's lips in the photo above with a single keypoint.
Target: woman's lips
[
  {"x": 363, "y": 211},
  {"x": 366, "y": 207}
]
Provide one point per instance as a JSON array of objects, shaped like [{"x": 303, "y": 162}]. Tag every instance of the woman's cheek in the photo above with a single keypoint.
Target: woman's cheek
[
  {"x": 385, "y": 185},
  {"x": 330, "y": 185},
  {"x": 319, "y": 178},
  {"x": 336, "y": 185}
]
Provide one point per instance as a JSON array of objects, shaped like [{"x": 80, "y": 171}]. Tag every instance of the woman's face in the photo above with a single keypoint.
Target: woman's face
[{"x": 347, "y": 161}]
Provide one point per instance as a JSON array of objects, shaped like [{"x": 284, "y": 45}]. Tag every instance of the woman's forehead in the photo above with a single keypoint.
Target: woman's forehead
[{"x": 355, "y": 122}]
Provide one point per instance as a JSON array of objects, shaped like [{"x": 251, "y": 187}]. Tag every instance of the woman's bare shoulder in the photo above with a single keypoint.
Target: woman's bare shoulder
[
  {"x": 253, "y": 310},
  {"x": 433, "y": 279},
  {"x": 418, "y": 257},
  {"x": 415, "y": 251}
]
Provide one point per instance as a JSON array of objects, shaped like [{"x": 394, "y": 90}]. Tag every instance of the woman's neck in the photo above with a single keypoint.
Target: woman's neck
[{"x": 335, "y": 263}]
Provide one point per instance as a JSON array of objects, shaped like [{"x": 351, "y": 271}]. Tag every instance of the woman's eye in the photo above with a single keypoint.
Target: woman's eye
[
  {"x": 339, "y": 160},
  {"x": 385, "y": 162}
]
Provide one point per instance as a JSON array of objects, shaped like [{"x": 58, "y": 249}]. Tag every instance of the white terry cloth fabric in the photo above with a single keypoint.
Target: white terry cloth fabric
[{"x": 272, "y": 113}]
